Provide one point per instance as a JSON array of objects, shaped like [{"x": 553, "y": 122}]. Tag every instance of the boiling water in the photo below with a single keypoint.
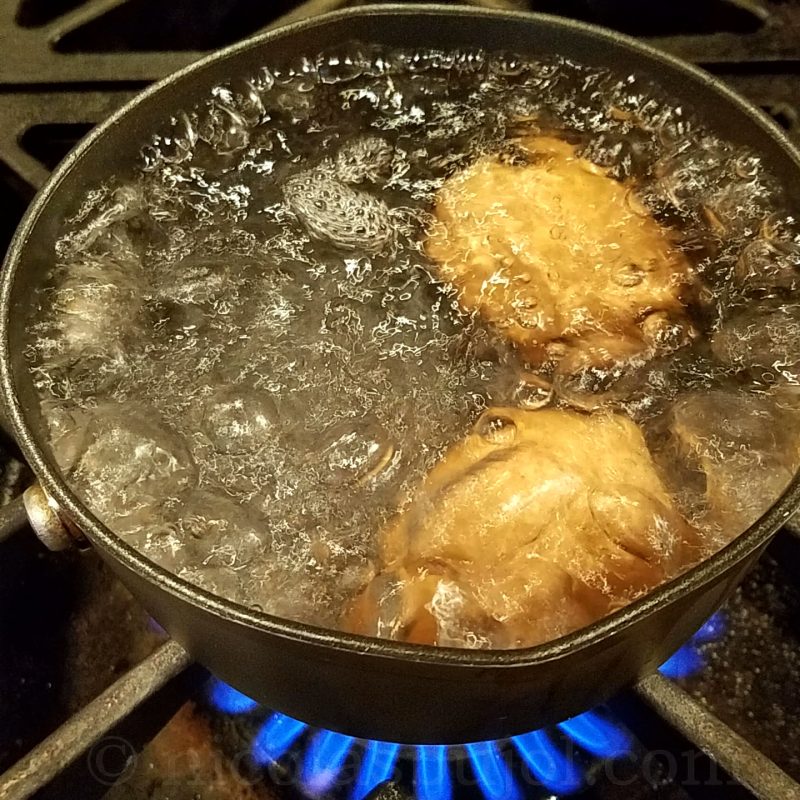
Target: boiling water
[{"x": 248, "y": 362}]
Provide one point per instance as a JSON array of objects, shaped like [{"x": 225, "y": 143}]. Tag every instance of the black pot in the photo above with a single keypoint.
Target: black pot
[{"x": 366, "y": 687}]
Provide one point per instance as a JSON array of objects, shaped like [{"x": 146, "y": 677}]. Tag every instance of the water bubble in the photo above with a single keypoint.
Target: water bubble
[
  {"x": 156, "y": 462},
  {"x": 764, "y": 265},
  {"x": 246, "y": 97},
  {"x": 224, "y": 129},
  {"x": 218, "y": 532},
  {"x": 338, "y": 68},
  {"x": 533, "y": 391},
  {"x": 508, "y": 64},
  {"x": 355, "y": 451},
  {"x": 496, "y": 428},
  {"x": 238, "y": 419}
]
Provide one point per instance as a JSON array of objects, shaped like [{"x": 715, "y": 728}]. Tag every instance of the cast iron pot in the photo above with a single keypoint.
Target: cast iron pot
[{"x": 367, "y": 687}]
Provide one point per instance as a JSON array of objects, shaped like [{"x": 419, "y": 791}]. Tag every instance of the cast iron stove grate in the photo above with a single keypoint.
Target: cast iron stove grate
[{"x": 66, "y": 65}]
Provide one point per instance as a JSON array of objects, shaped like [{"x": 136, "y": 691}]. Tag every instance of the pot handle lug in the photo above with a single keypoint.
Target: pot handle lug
[
  {"x": 44, "y": 516},
  {"x": 36, "y": 508}
]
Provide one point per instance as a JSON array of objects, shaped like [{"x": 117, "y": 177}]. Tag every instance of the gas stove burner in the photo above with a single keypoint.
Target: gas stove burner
[
  {"x": 554, "y": 761},
  {"x": 318, "y": 762}
]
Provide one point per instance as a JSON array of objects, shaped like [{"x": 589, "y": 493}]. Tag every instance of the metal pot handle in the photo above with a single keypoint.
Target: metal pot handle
[{"x": 34, "y": 507}]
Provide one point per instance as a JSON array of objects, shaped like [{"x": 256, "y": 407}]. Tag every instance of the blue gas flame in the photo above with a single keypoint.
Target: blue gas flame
[
  {"x": 683, "y": 663},
  {"x": 378, "y": 765},
  {"x": 228, "y": 700},
  {"x": 713, "y": 629},
  {"x": 432, "y": 774},
  {"x": 688, "y": 660},
  {"x": 322, "y": 763},
  {"x": 548, "y": 764},
  {"x": 492, "y": 772},
  {"x": 598, "y": 735},
  {"x": 275, "y": 737}
]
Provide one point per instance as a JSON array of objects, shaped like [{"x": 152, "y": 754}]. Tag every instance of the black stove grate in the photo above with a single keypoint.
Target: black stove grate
[{"x": 66, "y": 65}]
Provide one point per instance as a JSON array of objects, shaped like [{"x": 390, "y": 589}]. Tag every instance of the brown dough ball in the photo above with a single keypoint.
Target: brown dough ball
[
  {"x": 535, "y": 524},
  {"x": 555, "y": 250}
]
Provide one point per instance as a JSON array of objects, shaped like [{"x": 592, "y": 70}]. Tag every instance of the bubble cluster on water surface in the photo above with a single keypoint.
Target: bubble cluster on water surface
[{"x": 248, "y": 361}]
